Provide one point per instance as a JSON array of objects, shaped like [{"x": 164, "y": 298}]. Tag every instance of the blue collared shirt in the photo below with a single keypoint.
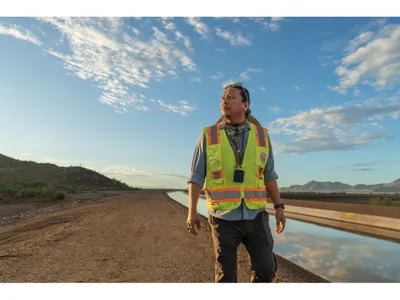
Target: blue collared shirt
[{"x": 198, "y": 174}]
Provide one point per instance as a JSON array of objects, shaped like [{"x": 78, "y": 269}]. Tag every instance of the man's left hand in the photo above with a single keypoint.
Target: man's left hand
[{"x": 280, "y": 220}]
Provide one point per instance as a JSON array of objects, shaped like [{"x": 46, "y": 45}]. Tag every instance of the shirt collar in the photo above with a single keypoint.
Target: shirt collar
[{"x": 222, "y": 125}]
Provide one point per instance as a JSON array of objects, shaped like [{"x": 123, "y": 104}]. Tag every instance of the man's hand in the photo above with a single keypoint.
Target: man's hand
[
  {"x": 193, "y": 222},
  {"x": 280, "y": 220}
]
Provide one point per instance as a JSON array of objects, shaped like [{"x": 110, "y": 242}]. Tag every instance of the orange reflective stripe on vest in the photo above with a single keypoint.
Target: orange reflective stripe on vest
[
  {"x": 214, "y": 135},
  {"x": 260, "y": 136}
]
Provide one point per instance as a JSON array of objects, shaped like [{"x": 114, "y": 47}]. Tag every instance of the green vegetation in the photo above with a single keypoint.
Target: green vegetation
[
  {"x": 385, "y": 200},
  {"x": 35, "y": 189}
]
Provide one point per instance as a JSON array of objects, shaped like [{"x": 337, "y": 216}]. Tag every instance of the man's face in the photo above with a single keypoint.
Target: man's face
[{"x": 232, "y": 104}]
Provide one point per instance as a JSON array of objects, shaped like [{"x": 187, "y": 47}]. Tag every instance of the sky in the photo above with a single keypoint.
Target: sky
[{"x": 128, "y": 97}]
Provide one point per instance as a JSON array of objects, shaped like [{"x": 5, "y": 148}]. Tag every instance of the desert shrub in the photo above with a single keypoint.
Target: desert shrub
[
  {"x": 48, "y": 192},
  {"x": 71, "y": 191},
  {"x": 382, "y": 200},
  {"x": 59, "y": 195},
  {"x": 32, "y": 192}
]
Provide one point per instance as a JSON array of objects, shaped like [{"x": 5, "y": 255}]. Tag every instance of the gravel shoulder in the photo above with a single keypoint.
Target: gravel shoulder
[{"x": 139, "y": 237}]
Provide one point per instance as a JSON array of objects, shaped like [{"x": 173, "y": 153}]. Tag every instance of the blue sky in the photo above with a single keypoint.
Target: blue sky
[{"x": 129, "y": 97}]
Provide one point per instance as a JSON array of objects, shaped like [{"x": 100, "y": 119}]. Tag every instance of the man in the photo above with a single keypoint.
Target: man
[{"x": 234, "y": 161}]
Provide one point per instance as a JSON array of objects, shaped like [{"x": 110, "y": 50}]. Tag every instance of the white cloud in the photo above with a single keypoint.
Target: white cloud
[
  {"x": 334, "y": 128},
  {"x": 368, "y": 163},
  {"x": 263, "y": 88},
  {"x": 144, "y": 178},
  {"x": 357, "y": 92},
  {"x": 126, "y": 171},
  {"x": 221, "y": 50},
  {"x": 261, "y": 21},
  {"x": 358, "y": 41},
  {"x": 371, "y": 59},
  {"x": 195, "y": 79},
  {"x": 298, "y": 88},
  {"x": 277, "y": 19},
  {"x": 337, "y": 89},
  {"x": 183, "y": 107},
  {"x": 19, "y": 33},
  {"x": 117, "y": 61},
  {"x": 199, "y": 26},
  {"x": 186, "y": 40},
  {"x": 26, "y": 154},
  {"x": 135, "y": 31},
  {"x": 275, "y": 109},
  {"x": 229, "y": 81},
  {"x": 167, "y": 24},
  {"x": 245, "y": 75},
  {"x": 238, "y": 40},
  {"x": 217, "y": 76},
  {"x": 274, "y": 23},
  {"x": 337, "y": 258}
]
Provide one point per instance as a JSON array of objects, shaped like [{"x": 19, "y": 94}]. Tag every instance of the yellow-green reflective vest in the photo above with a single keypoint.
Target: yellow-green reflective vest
[{"x": 221, "y": 191}]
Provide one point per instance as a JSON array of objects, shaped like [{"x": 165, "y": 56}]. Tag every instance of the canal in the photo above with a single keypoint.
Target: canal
[{"x": 335, "y": 255}]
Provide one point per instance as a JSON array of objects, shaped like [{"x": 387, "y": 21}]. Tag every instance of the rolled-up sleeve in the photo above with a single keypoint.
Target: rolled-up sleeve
[
  {"x": 269, "y": 171},
  {"x": 198, "y": 169}
]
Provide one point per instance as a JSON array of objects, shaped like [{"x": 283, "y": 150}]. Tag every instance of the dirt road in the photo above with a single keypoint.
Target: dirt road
[{"x": 135, "y": 238}]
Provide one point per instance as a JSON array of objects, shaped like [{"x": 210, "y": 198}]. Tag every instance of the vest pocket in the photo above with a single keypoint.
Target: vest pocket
[
  {"x": 214, "y": 158},
  {"x": 219, "y": 181}
]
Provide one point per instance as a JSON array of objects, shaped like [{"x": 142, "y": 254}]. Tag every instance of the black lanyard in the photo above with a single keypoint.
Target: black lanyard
[{"x": 238, "y": 154}]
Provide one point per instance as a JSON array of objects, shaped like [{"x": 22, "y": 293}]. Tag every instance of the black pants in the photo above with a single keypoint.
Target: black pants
[{"x": 256, "y": 237}]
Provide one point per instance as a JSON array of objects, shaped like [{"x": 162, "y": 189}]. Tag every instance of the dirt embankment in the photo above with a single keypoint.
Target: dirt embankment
[
  {"x": 136, "y": 238},
  {"x": 366, "y": 209}
]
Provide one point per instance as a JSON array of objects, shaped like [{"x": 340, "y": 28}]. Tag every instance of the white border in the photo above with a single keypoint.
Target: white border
[
  {"x": 203, "y": 8},
  {"x": 194, "y": 291}
]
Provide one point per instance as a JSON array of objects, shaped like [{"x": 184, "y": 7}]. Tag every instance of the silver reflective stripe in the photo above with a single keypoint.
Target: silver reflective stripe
[
  {"x": 214, "y": 135},
  {"x": 261, "y": 136},
  {"x": 223, "y": 195},
  {"x": 255, "y": 194},
  {"x": 217, "y": 174}
]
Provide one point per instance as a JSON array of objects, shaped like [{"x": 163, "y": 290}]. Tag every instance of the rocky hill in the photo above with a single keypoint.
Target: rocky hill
[{"x": 14, "y": 171}]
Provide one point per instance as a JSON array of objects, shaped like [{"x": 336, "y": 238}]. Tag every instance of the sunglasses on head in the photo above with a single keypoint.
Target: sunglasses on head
[{"x": 240, "y": 86}]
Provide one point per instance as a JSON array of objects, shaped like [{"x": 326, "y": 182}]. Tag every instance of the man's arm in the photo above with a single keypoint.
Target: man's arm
[
  {"x": 194, "y": 195},
  {"x": 198, "y": 173},
  {"x": 270, "y": 177},
  {"x": 271, "y": 185},
  {"x": 273, "y": 191}
]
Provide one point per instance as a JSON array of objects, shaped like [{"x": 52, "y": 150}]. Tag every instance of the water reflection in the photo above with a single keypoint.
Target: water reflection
[{"x": 336, "y": 255}]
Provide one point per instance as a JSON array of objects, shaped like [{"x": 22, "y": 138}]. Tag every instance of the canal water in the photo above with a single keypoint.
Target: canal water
[{"x": 335, "y": 255}]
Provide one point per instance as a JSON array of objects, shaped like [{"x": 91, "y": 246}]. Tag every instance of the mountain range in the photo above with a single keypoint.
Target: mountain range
[
  {"x": 14, "y": 170},
  {"x": 336, "y": 186}
]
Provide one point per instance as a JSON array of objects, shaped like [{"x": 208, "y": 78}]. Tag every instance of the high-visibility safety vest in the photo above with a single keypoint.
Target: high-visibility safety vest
[{"x": 222, "y": 193}]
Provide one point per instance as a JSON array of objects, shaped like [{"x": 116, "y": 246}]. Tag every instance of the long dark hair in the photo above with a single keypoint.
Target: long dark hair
[{"x": 243, "y": 92}]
